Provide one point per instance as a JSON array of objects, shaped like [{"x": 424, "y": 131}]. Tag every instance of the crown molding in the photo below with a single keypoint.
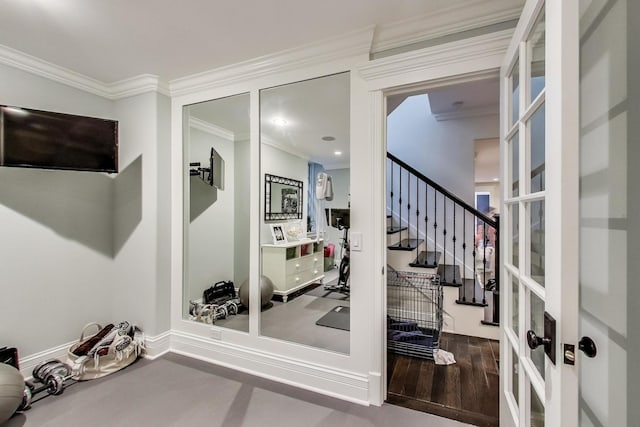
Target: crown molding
[
  {"x": 211, "y": 129},
  {"x": 349, "y": 45},
  {"x": 137, "y": 85},
  {"x": 437, "y": 56},
  {"x": 283, "y": 147},
  {"x": 461, "y": 17},
  {"x": 48, "y": 70},
  {"x": 116, "y": 90},
  {"x": 466, "y": 113}
]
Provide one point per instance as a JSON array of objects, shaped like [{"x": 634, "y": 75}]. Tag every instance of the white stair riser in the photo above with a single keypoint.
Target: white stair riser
[
  {"x": 399, "y": 260},
  {"x": 465, "y": 319}
]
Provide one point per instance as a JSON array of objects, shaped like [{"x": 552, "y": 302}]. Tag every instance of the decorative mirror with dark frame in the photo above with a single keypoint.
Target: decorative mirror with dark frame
[{"x": 282, "y": 198}]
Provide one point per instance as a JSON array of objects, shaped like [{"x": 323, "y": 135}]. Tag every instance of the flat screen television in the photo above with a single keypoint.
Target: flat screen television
[{"x": 42, "y": 139}]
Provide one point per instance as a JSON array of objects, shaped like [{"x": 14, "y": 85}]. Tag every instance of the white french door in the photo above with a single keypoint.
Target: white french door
[{"x": 540, "y": 163}]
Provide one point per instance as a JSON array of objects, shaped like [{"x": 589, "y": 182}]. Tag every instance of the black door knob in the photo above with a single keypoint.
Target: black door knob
[
  {"x": 588, "y": 347},
  {"x": 535, "y": 341}
]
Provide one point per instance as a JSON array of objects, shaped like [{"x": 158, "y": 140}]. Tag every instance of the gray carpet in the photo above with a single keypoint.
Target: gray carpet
[
  {"x": 295, "y": 321},
  {"x": 178, "y": 391}
]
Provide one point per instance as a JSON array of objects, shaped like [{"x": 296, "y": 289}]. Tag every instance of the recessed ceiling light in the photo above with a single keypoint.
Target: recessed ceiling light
[
  {"x": 279, "y": 121},
  {"x": 337, "y": 153},
  {"x": 15, "y": 110},
  {"x": 496, "y": 179},
  {"x": 328, "y": 138}
]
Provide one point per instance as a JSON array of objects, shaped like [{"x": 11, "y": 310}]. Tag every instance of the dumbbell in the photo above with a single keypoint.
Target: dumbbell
[{"x": 52, "y": 374}]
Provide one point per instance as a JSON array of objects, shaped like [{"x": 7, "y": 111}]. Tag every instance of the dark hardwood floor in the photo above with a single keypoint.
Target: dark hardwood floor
[{"x": 466, "y": 391}]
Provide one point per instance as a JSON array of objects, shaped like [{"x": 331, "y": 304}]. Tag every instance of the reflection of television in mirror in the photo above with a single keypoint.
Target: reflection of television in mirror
[
  {"x": 338, "y": 218},
  {"x": 42, "y": 139},
  {"x": 216, "y": 171}
]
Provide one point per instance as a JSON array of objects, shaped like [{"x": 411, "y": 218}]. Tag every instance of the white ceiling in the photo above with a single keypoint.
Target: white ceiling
[
  {"x": 118, "y": 39},
  {"x": 312, "y": 108},
  {"x": 484, "y": 94}
]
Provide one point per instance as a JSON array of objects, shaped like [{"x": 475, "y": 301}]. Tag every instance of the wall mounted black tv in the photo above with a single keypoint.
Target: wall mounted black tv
[{"x": 42, "y": 139}]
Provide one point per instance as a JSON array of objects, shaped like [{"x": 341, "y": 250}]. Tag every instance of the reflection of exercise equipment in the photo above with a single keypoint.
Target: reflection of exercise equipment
[
  {"x": 340, "y": 219},
  {"x": 209, "y": 313},
  {"x": 266, "y": 292}
]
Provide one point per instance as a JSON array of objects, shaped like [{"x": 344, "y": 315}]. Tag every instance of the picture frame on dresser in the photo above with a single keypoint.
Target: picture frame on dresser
[{"x": 278, "y": 234}]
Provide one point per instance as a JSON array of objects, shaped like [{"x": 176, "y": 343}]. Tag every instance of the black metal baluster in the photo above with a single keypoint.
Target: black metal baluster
[
  {"x": 484, "y": 262},
  {"x": 496, "y": 272},
  {"x": 454, "y": 247},
  {"x": 391, "y": 202},
  {"x": 417, "y": 217},
  {"x": 475, "y": 247},
  {"x": 435, "y": 222},
  {"x": 444, "y": 236},
  {"x": 464, "y": 252},
  {"x": 400, "y": 210},
  {"x": 408, "y": 209},
  {"x": 426, "y": 223}
]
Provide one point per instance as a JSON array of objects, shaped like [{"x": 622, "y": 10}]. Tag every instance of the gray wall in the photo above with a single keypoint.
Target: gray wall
[
  {"x": 77, "y": 247},
  {"x": 444, "y": 150}
]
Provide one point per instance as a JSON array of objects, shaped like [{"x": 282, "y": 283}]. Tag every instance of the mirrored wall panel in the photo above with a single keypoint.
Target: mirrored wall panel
[
  {"x": 216, "y": 207},
  {"x": 304, "y": 238}
]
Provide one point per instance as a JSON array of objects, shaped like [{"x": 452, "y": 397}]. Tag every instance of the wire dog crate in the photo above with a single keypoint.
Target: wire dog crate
[{"x": 414, "y": 313}]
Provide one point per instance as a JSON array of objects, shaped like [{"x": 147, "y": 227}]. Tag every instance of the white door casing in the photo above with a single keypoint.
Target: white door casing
[{"x": 540, "y": 210}]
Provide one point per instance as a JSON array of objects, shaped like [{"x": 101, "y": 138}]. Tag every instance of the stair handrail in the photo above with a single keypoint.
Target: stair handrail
[{"x": 489, "y": 221}]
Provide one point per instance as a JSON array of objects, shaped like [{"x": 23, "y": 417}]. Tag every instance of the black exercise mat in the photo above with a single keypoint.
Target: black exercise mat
[{"x": 337, "y": 318}]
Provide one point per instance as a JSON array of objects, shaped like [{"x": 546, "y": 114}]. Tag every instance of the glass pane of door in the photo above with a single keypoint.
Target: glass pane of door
[
  {"x": 537, "y": 61},
  {"x": 515, "y": 306},
  {"x": 536, "y": 245},
  {"x": 514, "y": 99},
  {"x": 537, "y": 409},
  {"x": 537, "y": 154},
  {"x": 514, "y": 149},
  {"x": 525, "y": 157},
  {"x": 536, "y": 324}
]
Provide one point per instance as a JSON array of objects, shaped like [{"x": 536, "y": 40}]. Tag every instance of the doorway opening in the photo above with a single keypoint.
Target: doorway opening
[{"x": 442, "y": 285}]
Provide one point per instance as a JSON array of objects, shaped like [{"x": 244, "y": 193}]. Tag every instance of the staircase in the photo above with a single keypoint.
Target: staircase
[{"x": 431, "y": 230}]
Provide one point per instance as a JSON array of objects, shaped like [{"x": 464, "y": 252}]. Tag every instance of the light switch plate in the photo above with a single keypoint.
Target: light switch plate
[{"x": 356, "y": 241}]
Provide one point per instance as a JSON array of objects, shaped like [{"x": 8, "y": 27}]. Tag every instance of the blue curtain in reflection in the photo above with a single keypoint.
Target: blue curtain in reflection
[{"x": 313, "y": 204}]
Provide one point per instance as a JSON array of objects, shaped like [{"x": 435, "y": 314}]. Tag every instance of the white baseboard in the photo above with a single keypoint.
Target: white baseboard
[
  {"x": 342, "y": 385},
  {"x": 27, "y": 363},
  {"x": 157, "y": 346}
]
